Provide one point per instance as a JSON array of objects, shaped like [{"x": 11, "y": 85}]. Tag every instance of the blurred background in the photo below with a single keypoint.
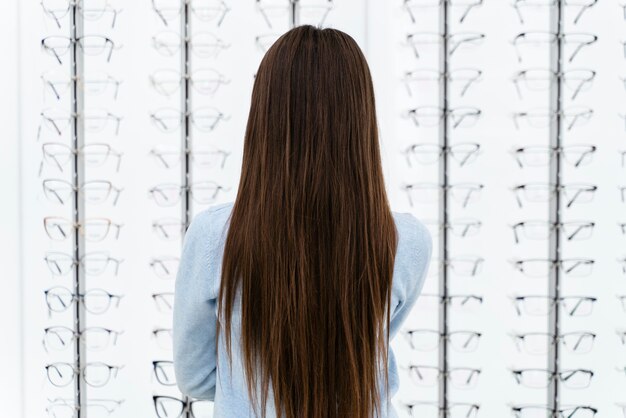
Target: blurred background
[{"x": 502, "y": 127}]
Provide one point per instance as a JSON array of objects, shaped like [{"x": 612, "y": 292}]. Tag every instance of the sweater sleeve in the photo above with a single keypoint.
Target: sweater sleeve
[
  {"x": 195, "y": 319},
  {"x": 413, "y": 259},
  {"x": 417, "y": 259}
]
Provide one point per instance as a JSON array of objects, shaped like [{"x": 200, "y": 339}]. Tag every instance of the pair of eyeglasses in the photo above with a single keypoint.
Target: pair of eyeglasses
[
  {"x": 580, "y": 5},
  {"x": 540, "y": 39},
  {"x": 59, "y": 155},
  {"x": 540, "y": 230},
  {"x": 467, "y": 266},
  {"x": 204, "y": 81},
  {"x": 537, "y": 79},
  {"x": 59, "y": 338},
  {"x": 168, "y": 229},
  {"x": 208, "y": 11},
  {"x": 164, "y": 372},
  {"x": 58, "y": 10},
  {"x": 205, "y": 119},
  {"x": 429, "y": 339},
  {"x": 541, "y": 193},
  {"x": 95, "y": 374},
  {"x": 465, "y": 77},
  {"x": 542, "y": 117},
  {"x": 541, "y": 378},
  {"x": 624, "y": 47},
  {"x": 533, "y": 411},
  {"x": 415, "y": 7},
  {"x": 205, "y": 192},
  {"x": 93, "y": 229},
  {"x": 94, "y": 191},
  {"x": 265, "y": 41},
  {"x": 462, "y": 228},
  {"x": 163, "y": 338},
  {"x": 96, "y": 83},
  {"x": 426, "y": 193},
  {"x": 275, "y": 12},
  {"x": 462, "y": 303},
  {"x": 171, "y": 407},
  {"x": 540, "y": 267},
  {"x": 623, "y": 116},
  {"x": 94, "y": 120},
  {"x": 538, "y": 343},
  {"x": 459, "y": 377},
  {"x": 541, "y": 156},
  {"x": 462, "y": 153},
  {"x": 165, "y": 267},
  {"x": 92, "y": 45},
  {"x": 94, "y": 263},
  {"x": 539, "y": 305},
  {"x": 420, "y": 41},
  {"x": 209, "y": 157},
  {"x": 96, "y": 301},
  {"x": 66, "y": 408},
  {"x": 164, "y": 301},
  {"x": 432, "y": 410},
  {"x": 202, "y": 44},
  {"x": 428, "y": 116}
]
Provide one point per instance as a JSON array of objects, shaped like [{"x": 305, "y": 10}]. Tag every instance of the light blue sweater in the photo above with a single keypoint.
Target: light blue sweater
[{"x": 198, "y": 374}]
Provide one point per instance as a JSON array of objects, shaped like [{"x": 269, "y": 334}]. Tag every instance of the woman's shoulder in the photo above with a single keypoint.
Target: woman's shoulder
[
  {"x": 213, "y": 216},
  {"x": 411, "y": 229},
  {"x": 209, "y": 226},
  {"x": 412, "y": 233},
  {"x": 218, "y": 209}
]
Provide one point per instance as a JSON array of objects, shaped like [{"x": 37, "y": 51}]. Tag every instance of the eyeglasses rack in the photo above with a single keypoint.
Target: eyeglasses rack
[
  {"x": 445, "y": 81},
  {"x": 186, "y": 140},
  {"x": 294, "y": 13},
  {"x": 185, "y": 101},
  {"x": 181, "y": 84},
  {"x": 559, "y": 118},
  {"x": 444, "y": 132},
  {"x": 554, "y": 217},
  {"x": 78, "y": 193},
  {"x": 78, "y": 177}
]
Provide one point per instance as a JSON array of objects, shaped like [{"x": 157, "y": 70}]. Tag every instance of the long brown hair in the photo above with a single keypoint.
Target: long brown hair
[{"x": 311, "y": 241}]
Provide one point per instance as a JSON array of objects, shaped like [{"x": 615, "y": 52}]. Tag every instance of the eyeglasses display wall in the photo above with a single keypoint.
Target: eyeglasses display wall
[
  {"x": 80, "y": 157},
  {"x": 502, "y": 128},
  {"x": 530, "y": 281},
  {"x": 191, "y": 46}
]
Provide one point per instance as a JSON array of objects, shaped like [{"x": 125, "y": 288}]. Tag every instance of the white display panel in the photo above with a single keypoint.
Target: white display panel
[{"x": 381, "y": 29}]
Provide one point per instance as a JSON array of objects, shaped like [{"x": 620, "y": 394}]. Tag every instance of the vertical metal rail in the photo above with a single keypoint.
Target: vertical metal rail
[
  {"x": 556, "y": 65},
  {"x": 294, "y": 13},
  {"x": 443, "y": 209},
  {"x": 78, "y": 204},
  {"x": 185, "y": 147}
]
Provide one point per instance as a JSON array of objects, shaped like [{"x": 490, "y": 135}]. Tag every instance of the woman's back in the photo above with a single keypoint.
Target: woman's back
[
  {"x": 203, "y": 370},
  {"x": 299, "y": 291}
]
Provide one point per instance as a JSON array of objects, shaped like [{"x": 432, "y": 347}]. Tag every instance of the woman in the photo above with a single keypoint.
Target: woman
[{"x": 286, "y": 299}]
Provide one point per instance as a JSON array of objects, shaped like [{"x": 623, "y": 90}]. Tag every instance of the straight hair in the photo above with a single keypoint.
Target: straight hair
[{"x": 311, "y": 241}]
